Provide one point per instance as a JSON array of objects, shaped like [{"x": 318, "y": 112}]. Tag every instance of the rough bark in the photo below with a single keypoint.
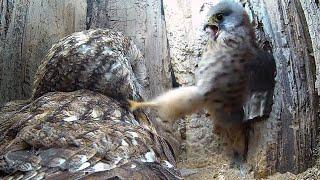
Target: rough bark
[
  {"x": 311, "y": 10},
  {"x": 289, "y": 135},
  {"x": 27, "y": 31}
]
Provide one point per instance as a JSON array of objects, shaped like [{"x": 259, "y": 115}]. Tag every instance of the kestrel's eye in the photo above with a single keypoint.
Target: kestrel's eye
[{"x": 219, "y": 17}]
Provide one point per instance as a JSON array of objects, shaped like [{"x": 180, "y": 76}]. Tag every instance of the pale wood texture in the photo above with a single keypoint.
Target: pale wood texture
[
  {"x": 184, "y": 25},
  {"x": 311, "y": 10},
  {"x": 27, "y": 31}
]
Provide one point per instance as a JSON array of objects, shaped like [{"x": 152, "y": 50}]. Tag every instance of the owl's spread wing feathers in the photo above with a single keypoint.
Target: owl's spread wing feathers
[{"x": 261, "y": 74}]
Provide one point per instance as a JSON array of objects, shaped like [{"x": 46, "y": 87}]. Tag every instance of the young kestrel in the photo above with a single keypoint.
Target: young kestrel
[{"x": 234, "y": 79}]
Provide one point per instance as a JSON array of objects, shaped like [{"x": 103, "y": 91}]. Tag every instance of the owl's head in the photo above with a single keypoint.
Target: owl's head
[{"x": 225, "y": 17}]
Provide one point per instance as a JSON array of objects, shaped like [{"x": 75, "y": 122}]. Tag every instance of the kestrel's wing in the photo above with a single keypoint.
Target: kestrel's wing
[
  {"x": 80, "y": 134},
  {"x": 261, "y": 71}
]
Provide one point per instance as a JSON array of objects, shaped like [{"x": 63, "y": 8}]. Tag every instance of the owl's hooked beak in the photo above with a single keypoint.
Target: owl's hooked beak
[{"x": 212, "y": 29}]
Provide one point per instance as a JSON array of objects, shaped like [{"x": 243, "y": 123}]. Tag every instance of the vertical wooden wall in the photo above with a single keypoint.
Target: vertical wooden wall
[
  {"x": 27, "y": 31},
  {"x": 289, "y": 135}
]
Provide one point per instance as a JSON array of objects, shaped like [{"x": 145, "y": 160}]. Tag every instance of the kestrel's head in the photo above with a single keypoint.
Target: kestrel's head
[{"x": 224, "y": 17}]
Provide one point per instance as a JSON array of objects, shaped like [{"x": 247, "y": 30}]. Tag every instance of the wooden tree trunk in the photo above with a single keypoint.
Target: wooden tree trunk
[
  {"x": 288, "y": 137},
  {"x": 169, "y": 34},
  {"x": 27, "y": 31}
]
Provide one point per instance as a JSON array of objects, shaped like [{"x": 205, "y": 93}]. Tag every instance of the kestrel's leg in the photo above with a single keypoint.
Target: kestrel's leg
[
  {"x": 174, "y": 104},
  {"x": 238, "y": 142},
  {"x": 234, "y": 139},
  {"x": 232, "y": 131}
]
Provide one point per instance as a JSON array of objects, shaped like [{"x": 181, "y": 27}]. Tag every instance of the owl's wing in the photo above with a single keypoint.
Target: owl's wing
[
  {"x": 261, "y": 74},
  {"x": 81, "y": 134}
]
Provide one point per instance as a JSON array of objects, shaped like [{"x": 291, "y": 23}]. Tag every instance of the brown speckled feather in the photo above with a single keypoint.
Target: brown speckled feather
[
  {"x": 82, "y": 134},
  {"x": 234, "y": 75},
  {"x": 99, "y": 60},
  {"x": 75, "y": 125}
]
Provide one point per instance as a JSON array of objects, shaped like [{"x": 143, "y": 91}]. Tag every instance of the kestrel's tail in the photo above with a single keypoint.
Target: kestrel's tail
[{"x": 134, "y": 105}]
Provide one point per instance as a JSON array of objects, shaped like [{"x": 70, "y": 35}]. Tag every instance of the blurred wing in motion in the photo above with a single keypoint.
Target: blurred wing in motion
[{"x": 261, "y": 74}]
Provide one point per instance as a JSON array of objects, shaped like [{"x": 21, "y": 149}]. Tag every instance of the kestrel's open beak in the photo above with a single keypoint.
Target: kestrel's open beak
[{"x": 212, "y": 29}]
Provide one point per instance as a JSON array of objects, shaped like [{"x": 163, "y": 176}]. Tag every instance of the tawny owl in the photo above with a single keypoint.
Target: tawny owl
[
  {"x": 83, "y": 131},
  {"x": 100, "y": 60},
  {"x": 80, "y": 134},
  {"x": 234, "y": 79}
]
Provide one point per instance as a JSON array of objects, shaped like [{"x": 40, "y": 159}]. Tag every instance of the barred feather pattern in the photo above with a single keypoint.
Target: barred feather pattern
[
  {"x": 100, "y": 60},
  {"x": 81, "y": 134}
]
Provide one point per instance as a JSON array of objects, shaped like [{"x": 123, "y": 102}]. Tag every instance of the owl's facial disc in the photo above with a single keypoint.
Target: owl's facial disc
[{"x": 212, "y": 30}]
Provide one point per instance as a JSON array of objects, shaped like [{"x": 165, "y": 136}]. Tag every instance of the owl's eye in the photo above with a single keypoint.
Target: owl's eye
[{"x": 219, "y": 17}]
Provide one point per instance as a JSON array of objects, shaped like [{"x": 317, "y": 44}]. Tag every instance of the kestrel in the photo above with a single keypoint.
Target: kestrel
[{"x": 234, "y": 79}]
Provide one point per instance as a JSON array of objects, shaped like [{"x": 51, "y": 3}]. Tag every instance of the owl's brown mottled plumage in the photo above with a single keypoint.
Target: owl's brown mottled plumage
[
  {"x": 100, "y": 60},
  {"x": 75, "y": 125},
  {"x": 82, "y": 134},
  {"x": 234, "y": 79}
]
